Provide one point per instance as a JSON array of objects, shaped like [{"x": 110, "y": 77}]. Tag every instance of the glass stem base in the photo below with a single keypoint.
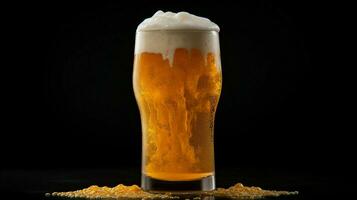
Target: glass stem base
[{"x": 155, "y": 185}]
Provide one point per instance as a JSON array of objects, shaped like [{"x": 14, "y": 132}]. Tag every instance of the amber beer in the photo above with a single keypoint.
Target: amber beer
[{"x": 177, "y": 91}]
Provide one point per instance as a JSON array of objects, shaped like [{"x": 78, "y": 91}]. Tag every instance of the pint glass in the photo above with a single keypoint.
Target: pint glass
[{"x": 177, "y": 83}]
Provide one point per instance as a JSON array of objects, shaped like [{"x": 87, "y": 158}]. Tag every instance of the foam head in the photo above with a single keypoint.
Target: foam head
[
  {"x": 176, "y": 21},
  {"x": 164, "y": 32}
]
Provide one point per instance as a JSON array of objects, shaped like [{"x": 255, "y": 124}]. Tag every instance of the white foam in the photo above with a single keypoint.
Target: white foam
[
  {"x": 176, "y": 21},
  {"x": 165, "y": 32}
]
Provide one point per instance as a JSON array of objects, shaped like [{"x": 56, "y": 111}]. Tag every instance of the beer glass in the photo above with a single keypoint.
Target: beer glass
[{"x": 177, "y": 83}]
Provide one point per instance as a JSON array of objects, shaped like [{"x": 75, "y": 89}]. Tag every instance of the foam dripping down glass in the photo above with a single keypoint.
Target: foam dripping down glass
[{"x": 177, "y": 83}]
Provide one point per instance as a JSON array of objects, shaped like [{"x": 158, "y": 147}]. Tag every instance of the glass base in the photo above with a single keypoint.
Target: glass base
[{"x": 155, "y": 185}]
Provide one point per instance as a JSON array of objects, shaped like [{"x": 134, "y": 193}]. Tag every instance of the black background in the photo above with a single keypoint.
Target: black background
[{"x": 70, "y": 102}]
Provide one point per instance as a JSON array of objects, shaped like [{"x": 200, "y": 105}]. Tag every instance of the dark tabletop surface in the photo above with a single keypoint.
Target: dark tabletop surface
[{"x": 33, "y": 184}]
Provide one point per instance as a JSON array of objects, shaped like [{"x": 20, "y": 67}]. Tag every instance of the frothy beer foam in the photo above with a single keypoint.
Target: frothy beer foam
[
  {"x": 176, "y": 21},
  {"x": 165, "y": 32}
]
